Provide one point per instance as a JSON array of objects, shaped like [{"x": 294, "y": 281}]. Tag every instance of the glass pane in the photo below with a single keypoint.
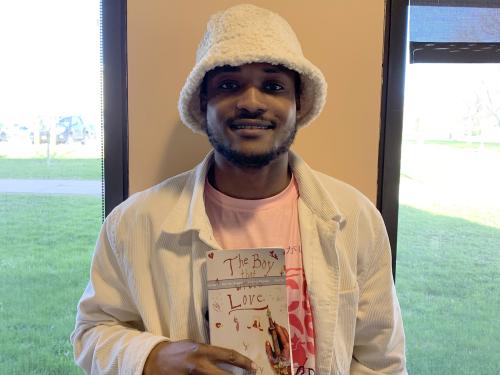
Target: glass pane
[
  {"x": 50, "y": 176},
  {"x": 453, "y": 24},
  {"x": 448, "y": 272}
]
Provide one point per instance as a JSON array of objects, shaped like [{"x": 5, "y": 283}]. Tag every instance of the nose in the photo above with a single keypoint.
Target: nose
[{"x": 251, "y": 100}]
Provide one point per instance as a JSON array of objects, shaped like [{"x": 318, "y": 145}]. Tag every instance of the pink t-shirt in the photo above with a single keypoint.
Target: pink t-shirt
[{"x": 270, "y": 222}]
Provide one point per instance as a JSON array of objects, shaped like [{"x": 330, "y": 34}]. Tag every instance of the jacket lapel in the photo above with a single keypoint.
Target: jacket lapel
[
  {"x": 322, "y": 275},
  {"x": 189, "y": 215},
  {"x": 320, "y": 220}
]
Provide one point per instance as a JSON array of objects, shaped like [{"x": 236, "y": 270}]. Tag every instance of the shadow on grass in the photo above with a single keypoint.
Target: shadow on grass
[{"x": 448, "y": 275}]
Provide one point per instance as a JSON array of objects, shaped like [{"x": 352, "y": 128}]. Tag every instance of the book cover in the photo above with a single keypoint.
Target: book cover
[{"x": 247, "y": 304}]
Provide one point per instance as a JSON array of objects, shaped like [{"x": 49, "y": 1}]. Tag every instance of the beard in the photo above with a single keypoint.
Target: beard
[{"x": 244, "y": 160}]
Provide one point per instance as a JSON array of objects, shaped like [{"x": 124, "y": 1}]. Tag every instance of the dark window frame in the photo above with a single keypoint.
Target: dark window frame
[
  {"x": 391, "y": 127},
  {"x": 458, "y": 3},
  {"x": 115, "y": 102},
  {"x": 456, "y": 52}
]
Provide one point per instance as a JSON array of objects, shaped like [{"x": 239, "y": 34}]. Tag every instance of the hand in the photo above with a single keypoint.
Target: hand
[
  {"x": 188, "y": 357},
  {"x": 279, "y": 358}
]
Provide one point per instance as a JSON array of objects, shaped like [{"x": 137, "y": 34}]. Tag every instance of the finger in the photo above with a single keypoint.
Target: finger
[{"x": 230, "y": 356}]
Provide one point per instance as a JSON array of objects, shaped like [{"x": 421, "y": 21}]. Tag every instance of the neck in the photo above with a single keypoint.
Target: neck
[{"x": 250, "y": 183}]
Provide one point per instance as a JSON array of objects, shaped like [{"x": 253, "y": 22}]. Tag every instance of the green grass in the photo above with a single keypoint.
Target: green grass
[
  {"x": 448, "y": 277},
  {"x": 46, "y": 246},
  {"x": 80, "y": 169},
  {"x": 448, "y": 272}
]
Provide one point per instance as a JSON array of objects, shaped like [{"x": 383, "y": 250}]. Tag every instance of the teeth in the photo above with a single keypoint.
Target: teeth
[{"x": 250, "y": 126}]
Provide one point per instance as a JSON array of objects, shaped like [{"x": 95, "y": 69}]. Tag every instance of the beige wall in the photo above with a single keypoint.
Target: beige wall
[{"x": 343, "y": 38}]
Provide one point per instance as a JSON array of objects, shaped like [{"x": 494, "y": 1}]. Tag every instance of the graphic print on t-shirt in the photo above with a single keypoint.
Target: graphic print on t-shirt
[{"x": 299, "y": 313}]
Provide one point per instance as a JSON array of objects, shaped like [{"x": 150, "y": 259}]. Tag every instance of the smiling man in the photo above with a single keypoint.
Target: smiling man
[
  {"x": 254, "y": 105},
  {"x": 145, "y": 307},
  {"x": 251, "y": 116}
]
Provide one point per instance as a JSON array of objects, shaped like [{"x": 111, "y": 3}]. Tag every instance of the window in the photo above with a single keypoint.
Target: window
[
  {"x": 51, "y": 163},
  {"x": 448, "y": 258}
]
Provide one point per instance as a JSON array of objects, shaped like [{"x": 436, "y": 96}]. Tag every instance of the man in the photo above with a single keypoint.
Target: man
[{"x": 145, "y": 308}]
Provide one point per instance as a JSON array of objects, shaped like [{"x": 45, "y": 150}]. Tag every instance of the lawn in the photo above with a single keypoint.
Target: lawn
[
  {"x": 80, "y": 169},
  {"x": 448, "y": 275},
  {"x": 448, "y": 267},
  {"x": 448, "y": 272},
  {"x": 44, "y": 268}
]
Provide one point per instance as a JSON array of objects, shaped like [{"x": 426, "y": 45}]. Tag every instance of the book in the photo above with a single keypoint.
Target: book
[{"x": 247, "y": 305}]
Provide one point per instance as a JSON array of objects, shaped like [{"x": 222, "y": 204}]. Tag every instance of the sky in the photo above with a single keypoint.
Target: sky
[{"x": 49, "y": 59}]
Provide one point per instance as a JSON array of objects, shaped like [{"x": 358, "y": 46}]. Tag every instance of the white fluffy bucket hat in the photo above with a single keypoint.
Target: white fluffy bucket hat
[{"x": 246, "y": 34}]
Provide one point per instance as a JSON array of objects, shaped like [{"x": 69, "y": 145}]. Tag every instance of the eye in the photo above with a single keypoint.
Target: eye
[
  {"x": 228, "y": 85},
  {"x": 273, "y": 86}
]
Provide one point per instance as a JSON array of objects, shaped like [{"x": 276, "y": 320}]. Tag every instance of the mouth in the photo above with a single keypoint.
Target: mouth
[{"x": 251, "y": 124}]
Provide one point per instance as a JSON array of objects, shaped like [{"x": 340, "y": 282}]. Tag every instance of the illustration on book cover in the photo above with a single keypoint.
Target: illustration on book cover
[{"x": 248, "y": 306}]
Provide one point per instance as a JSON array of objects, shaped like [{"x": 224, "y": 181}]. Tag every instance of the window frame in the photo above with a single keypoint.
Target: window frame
[
  {"x": 115, "y": 102},
  {"x": 391, "y": 124}
]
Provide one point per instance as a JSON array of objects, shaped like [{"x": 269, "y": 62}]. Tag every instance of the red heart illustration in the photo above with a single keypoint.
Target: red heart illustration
[{"x": 211, "y": 255}]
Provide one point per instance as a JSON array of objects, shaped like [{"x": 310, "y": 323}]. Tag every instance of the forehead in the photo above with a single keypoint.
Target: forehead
[{"x": 250, "y": 69}]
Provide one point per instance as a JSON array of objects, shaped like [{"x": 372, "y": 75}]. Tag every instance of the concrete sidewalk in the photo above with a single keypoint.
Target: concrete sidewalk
[{"x": 70, "y": 187}]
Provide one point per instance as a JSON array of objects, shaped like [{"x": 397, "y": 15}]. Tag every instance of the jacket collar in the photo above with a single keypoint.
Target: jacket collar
[
  {"x": 189, "y": 211},
  {"x": 312, "y": 192},
  {"x": 188, "y": 214}
]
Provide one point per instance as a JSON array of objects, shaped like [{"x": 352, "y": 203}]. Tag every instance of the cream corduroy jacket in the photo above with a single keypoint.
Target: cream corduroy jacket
[{"x": 148, "y": 277}]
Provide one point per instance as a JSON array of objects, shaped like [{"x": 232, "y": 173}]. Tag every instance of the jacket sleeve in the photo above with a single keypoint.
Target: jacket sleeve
[
  {"x": 379, "y": 344},
  {"x": 109, "y": 336}
]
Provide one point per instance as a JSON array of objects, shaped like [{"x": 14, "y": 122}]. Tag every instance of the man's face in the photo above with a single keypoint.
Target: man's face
[{"x": 250, "y": 112}]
